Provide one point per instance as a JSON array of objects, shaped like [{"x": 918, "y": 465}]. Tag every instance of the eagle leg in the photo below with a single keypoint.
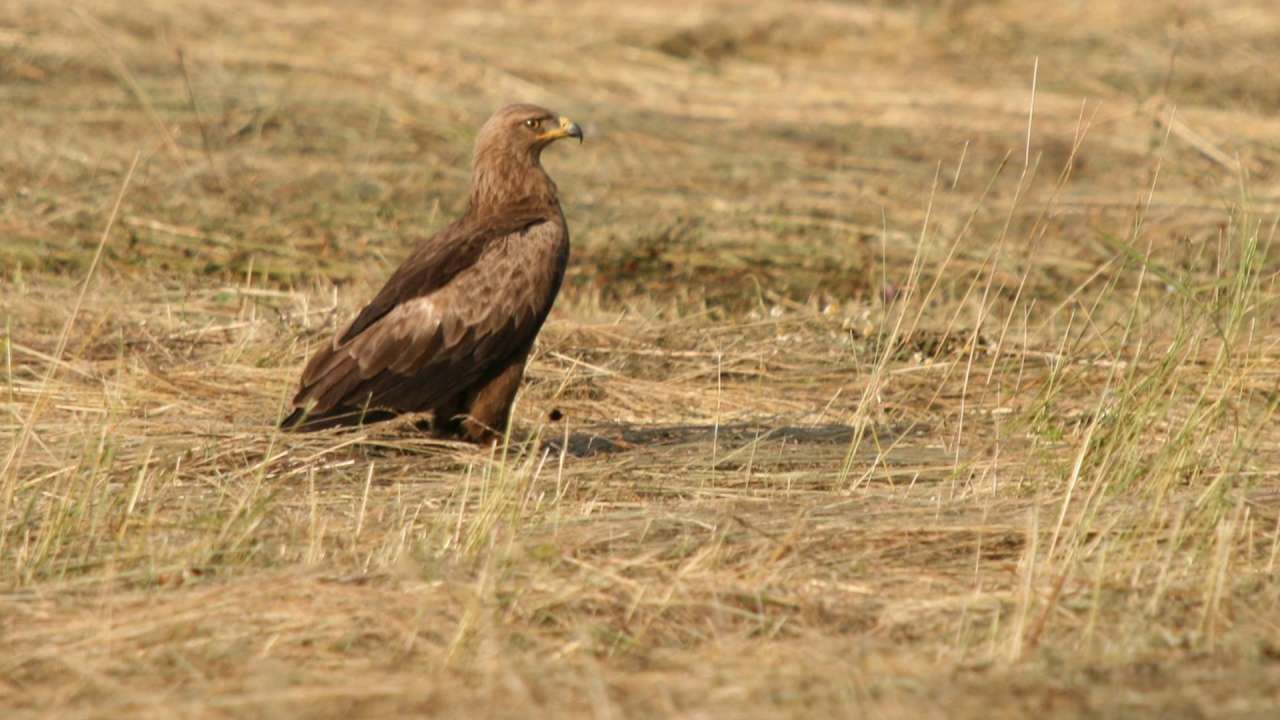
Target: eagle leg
[
  {"x": 446, "y": 418},
  {"x": 489, "y": 404}
]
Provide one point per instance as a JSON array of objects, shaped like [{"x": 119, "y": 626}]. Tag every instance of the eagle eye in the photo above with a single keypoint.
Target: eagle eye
[{"x": 533, "y": 123}]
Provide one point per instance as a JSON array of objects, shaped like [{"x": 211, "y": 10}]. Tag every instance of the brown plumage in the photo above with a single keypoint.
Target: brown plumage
[{"x": 451, "y": 329}]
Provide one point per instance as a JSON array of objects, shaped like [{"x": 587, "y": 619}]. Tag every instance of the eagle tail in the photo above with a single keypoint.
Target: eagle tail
[{"x": 302, "y": 421}]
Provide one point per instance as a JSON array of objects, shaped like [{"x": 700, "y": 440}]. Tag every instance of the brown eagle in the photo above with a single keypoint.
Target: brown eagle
[{"x": 450, "y": 331}]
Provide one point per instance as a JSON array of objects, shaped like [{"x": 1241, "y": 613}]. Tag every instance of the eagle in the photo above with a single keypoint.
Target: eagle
[{"x": 450, "y": 331}]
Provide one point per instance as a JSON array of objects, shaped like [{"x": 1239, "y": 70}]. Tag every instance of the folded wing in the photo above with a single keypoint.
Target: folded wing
[{"x": 463, "y": 304}]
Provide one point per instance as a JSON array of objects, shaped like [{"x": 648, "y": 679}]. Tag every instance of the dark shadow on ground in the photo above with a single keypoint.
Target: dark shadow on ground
[{"x": 608, "y": 439}]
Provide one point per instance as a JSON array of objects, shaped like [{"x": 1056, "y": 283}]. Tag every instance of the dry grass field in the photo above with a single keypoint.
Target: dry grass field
[{"x": 915, "y": 360}]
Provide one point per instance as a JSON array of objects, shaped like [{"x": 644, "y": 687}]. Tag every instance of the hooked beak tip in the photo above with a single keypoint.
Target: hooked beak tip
[{"x": 571, "y": 129}]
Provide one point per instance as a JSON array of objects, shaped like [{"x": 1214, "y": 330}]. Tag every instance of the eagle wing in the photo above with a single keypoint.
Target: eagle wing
[{"x": 461, "y": 305}]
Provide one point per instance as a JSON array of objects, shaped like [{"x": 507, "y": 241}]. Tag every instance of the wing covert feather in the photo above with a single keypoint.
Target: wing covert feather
[
  {"x": 430, "y": 345},
  {"x": 435, "y": 261}
]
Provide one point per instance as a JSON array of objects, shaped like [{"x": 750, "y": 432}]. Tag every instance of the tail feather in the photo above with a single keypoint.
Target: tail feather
[{"x": 302, "y": 421}]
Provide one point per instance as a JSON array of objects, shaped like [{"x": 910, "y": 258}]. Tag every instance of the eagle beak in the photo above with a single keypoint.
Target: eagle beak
[
  {"x": 568, "y": 128},
  {"x": 571, "y": 129}
]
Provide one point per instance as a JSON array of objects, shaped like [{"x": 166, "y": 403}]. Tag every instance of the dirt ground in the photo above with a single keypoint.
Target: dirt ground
[{"x": 915, "y": 360}]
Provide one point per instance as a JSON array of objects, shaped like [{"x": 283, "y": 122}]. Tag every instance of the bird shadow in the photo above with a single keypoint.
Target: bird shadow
[
  {"x": 614, "y": 439},
  {"x": 618, "y": 438}
]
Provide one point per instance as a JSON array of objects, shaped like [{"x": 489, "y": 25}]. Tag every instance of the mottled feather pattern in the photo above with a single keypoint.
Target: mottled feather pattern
[
  {"x": 445, "y": 339},
  {"x": 438, "y": 259}
]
